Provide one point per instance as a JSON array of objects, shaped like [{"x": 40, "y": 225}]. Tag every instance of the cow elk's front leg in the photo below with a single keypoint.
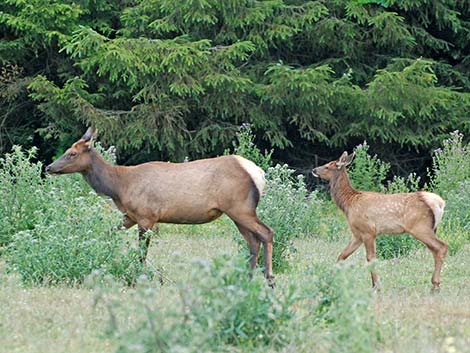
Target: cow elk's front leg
[
  {"x": 127, "y": 222},
  {"x": 144, "y": 238}
]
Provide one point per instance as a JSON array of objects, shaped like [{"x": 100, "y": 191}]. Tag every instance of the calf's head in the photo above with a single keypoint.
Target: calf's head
[
  {"x": 76, "y": 158},
  {"x": 332, "y": 169}
]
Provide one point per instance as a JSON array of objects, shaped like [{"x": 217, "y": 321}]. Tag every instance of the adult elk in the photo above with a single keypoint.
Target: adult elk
[
  {"x": 372, "y": 213},
  {"x": 183, "y": 193}
]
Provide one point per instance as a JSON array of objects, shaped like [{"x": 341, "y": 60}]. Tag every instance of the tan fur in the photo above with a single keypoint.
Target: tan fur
[
  {"x": 371, "y": 213},
  {"x": 184, "y": 193}
]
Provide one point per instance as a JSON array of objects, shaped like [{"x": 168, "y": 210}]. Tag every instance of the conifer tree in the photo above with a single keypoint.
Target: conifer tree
[{"x": 176, "y": 78}]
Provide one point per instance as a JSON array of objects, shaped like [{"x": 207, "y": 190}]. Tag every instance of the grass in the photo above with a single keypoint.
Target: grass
[{"x": 409, "y": 318}]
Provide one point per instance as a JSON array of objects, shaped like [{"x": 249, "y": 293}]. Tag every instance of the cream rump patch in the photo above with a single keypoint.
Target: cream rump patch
[{"x": 255, "y": 172}]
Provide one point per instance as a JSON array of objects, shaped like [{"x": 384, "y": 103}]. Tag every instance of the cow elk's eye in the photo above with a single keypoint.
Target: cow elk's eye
[{"x": 73, "y": 154}]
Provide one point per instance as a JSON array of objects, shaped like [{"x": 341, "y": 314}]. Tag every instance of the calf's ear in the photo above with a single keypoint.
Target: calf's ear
[
  {"x": 348, "y": 160},
  {"x": 345, "y": 160}
]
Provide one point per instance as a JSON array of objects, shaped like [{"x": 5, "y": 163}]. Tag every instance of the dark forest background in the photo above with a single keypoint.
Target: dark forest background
[{"x": 167, "y": 79}]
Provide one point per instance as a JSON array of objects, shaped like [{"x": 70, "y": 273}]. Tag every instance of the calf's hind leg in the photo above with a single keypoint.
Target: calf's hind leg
[
  {"x": 438, "y": 248},
  {"x": 369, "y": 243}
]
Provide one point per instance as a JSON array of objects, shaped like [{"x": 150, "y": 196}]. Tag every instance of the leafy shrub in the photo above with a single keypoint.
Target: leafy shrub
[
  {"x": 243, "y": 310},
  {"x": 367, "y": 172},
  {"x": 455, "y": 236},
  {"x": 80, "y": 236},
  {"x": 220, "y": 306},
  {"x": 62, "y": 231},
  {"x": 245, "y": 146},
  {"x": 327, "y": 221},
  {"x": 401, "y": 184},
  {"x": 457, "y": 205},
  {"x": 25, "y": 194},
  {"x": 21, "y": 193},
  {"x": 289, "y": 209},
  {"x": 390, "y": 246},
  {"x": 342, "y": 308},
  {"x": 451, "y": 165},
  {"x": 455, "y": 227},
  {"x": 450, "y": 178}
]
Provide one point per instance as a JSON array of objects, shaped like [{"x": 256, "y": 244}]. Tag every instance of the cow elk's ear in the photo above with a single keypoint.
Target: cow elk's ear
[{"x": 88, "y": 135}]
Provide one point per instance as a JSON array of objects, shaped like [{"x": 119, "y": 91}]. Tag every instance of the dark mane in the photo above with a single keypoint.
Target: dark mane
[{"x": 98, "y": 177}]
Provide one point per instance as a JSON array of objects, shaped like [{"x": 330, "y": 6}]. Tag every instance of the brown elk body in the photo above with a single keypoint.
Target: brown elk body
[
  {"x": 183, "y": 193},
  {"x": 372, "y": 213}
]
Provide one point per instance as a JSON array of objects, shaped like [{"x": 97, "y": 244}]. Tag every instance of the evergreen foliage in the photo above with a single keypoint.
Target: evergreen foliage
[{"x": 176, "y": 78}]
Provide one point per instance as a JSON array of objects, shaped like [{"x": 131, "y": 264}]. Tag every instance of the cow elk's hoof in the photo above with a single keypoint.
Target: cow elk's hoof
[{"x": 271, "y": 282}]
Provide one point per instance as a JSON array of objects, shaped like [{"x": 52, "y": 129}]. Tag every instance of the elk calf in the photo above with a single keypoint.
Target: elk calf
[
  {"x": 183, "y": 193},
  {"x": 372, "y": 213}
]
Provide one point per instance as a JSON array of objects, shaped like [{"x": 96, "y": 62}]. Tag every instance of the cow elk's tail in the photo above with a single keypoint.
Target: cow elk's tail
[{"x": 255, "y": 172}]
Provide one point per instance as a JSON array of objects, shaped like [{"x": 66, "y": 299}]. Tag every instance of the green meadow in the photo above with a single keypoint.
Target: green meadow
[{"x": 70, "y": 281}]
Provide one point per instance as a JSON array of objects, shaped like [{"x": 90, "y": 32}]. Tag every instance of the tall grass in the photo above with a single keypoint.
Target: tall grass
[
  {"x": 221, "y": 309},
  {"x": 219, "y": 305}
]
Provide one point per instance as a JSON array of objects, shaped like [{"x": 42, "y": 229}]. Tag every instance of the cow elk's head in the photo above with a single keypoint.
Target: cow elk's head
[{"x": 76, "y": 158}]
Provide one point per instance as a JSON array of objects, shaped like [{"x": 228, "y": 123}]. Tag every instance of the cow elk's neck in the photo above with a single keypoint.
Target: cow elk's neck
[
  {"x": 342, "y": 191},
  {"x": 101, "y": 176}
]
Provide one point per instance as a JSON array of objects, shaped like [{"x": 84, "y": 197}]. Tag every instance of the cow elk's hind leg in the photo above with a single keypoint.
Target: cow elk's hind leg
[
  {"x": 253, "y": 243},
  {"x": 438, "y": 248},
  {"x": 352, "y": 246},
  {"x": 265, "y": 234},
  {"x": 262, "y": 232}
]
